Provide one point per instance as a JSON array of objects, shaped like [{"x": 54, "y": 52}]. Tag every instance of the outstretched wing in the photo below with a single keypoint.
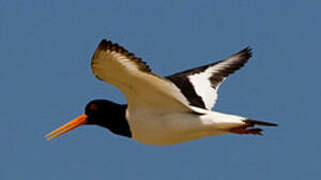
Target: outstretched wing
[
  {"x": 199, "y": 85},
  {"x": 142, "y": 88}
]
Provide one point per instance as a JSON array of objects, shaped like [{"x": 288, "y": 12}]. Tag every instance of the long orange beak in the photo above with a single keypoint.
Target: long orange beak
[{"x": 68, "y": 127}]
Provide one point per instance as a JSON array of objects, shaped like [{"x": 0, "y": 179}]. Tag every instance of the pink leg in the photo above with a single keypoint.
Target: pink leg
[{"x": 243, "y": 130}]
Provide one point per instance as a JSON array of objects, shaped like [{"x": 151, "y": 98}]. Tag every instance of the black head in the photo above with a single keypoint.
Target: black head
[
  {"x": 102, "y": 113},
  {"x": 109, "y": 115}
]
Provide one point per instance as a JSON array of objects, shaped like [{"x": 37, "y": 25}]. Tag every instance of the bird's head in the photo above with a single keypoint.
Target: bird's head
[{"x": 97, "y": 112}]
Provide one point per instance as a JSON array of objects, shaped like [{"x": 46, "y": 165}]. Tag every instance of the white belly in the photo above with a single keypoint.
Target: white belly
[{"x": 166, "y": 129}]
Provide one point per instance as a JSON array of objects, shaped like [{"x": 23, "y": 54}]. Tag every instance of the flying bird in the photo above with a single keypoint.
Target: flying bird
[{"x": 161, "y": 110}]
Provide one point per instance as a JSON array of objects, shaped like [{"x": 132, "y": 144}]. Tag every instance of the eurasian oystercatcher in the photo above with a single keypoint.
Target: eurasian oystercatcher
[{"x": 161, "y": 110}]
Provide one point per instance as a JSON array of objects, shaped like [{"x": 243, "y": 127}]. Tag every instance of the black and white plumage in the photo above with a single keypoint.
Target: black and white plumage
[
  {"x": 200, "y": 84},
  {"x": 162, "y": 110}
]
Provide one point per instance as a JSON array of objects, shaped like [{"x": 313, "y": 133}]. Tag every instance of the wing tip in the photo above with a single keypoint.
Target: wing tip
[
  {"x": 104, "y": 44},
  {"x": 108, "y": 45},
  {"x": 246, "y": 53}
]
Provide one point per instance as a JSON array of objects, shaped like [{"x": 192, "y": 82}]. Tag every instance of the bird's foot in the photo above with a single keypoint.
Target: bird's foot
[{"x": 244, "y": 130}]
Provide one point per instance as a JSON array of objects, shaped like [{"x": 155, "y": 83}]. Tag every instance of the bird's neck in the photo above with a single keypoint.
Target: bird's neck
[{"x": 117, "y": 122}]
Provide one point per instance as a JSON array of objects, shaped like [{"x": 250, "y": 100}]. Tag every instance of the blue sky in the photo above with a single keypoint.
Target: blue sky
[{"x": 45, "y": 51}]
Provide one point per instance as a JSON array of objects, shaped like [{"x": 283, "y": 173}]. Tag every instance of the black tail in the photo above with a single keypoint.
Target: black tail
[{"x": 251, "y": 122}]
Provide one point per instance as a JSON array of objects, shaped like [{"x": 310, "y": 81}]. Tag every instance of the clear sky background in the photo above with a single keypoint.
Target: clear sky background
[{"x": 46, "y": 80}]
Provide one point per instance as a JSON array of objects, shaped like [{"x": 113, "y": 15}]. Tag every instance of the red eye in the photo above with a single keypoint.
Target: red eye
[{"x": 93, "y": 107}]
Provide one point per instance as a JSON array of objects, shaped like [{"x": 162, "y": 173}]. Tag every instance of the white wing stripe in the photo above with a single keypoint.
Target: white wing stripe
[{"x": 203, "y": 87}]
